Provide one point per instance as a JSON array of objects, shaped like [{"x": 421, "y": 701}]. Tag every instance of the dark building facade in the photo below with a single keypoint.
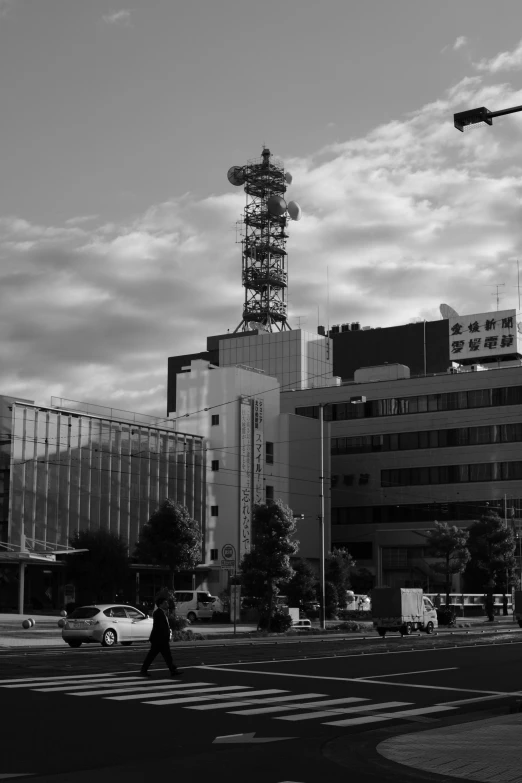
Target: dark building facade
[{"x": 423, "y": 347}]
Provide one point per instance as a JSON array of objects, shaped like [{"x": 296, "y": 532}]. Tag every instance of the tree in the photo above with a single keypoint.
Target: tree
[
  {"x": 302, "y": 586},
  {"x": 99, "y": 573},
  {"x": 170, "y": 538},
  {"x": 337, "y": 568},
  {"x": 362, "y": 581},
  {"x": 492, "y": 547},
  {"x": 449, "y": 544},
  {"x": 267, "y": 566}
]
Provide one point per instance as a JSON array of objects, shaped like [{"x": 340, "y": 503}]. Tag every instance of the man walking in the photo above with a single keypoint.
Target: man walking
[{"x": 160, "y": 639}]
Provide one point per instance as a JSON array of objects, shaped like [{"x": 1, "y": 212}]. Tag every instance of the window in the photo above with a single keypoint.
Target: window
[
  {"x": 214, "y": 511},
  {"x": 364, "y": 478},
  {"x": 215, "y": 419},
  {"x": 134, "y": 614},
  {"x": 334, "y": 480},
  {"x": 213, "y": 554},
  {"x": 215, "y": 464},
  {"x": 269, "y": 452},
  {"x": 348, "y": 479},
  {"x": 269, "y": 493}
]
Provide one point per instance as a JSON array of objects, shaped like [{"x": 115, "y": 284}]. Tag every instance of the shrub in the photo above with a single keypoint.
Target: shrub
[
  {"x": 446, "y": 615},
  {"x": 177, "y": 623},
  {"x": 355, "y": 614},
  {"x": 281, "y": 622}
]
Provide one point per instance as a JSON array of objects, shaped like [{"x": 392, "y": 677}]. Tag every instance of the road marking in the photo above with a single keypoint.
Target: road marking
[
  {"x": 143, "y": 690},
  {"x": 404, "y": 674},
  {"x": 386, "y": 705},
  {"x": 367, "y": 655},
  {"x": 167, "y": 690},
  {"x": 191, "y": 699},
  {"x": 482, "y": 698},
  {"x": 388, "y": 716},
  {"x": 6, "y": 775},
  {"x": 26, "y": 683},
  {"x": 247, "y": 700},
  {"x": 184, "y": 690},
  {"x": 235, "y": 738},
  {"x": 51, "y": 678},
  {"x": 351, "y": 679},
  {"x": 301, "y": 706},
  {"x": 86, "y": 684}
]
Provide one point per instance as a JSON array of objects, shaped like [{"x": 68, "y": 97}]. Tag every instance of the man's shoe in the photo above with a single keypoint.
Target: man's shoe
[
  {"x": 175, "y": 673},
  {"x": 144, "y": 674}
]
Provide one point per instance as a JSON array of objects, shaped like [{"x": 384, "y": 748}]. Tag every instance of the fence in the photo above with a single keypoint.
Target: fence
[{"x": 472, "y": 604}]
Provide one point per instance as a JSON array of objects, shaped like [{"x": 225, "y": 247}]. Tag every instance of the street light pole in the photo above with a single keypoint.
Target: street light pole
[
  {"x": 481, "y": 114},
  {"x": 321, "y": 516}
]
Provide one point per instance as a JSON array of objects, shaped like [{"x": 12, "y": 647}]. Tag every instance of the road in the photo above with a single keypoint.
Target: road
[{"x": 301, "y": 711}]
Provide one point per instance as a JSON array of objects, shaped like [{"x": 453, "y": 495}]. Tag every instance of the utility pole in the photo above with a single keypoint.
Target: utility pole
[{"x": 321, "y": 516}]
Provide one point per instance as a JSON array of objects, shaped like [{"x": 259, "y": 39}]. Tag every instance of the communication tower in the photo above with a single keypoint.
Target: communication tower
[{"x": 265, "y": 218}]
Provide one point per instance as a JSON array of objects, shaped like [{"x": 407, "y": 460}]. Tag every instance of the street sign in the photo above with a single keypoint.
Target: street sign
[
  {"x": 228, "y": 555},
  {"x": 228, "y": 552}
]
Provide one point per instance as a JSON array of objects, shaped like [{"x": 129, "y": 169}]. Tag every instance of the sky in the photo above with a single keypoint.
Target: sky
[{"x": 118, "y": 124}]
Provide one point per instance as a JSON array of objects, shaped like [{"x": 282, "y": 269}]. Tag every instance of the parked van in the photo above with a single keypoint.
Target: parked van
[{"x": 195, "y": 604}]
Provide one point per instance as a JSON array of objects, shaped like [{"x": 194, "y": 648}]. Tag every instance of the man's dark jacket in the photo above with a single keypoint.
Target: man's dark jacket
[{"x": 160, "y": 628}]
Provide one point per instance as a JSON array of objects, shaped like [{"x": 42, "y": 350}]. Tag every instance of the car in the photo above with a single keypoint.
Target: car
[
  {"x": 302, "y": 625},
  {"x": 106, "y": 624},
  {"x": 195, "y": 604}
]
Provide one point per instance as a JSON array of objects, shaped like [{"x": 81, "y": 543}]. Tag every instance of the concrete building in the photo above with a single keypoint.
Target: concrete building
[
  {"x": 297, "y": 358},
  {"x": 408, "y": 451},
  {"x": 254, "y": 454},
  {"x": 71, "y": 467}
]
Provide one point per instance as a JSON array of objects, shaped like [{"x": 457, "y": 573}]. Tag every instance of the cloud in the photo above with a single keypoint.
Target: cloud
[
  {"x": 5, "y": 7},
  {"x": 408, "y": 216},
  {"x": 505, "y": 61},
  {"x": 460, "y": 42},
  {"x": 76, "y": 221},
  {"x": 121, "y": 17}
]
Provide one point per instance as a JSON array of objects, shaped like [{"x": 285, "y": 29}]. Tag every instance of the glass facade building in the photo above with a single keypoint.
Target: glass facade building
[{"x": 71, "y": 469}]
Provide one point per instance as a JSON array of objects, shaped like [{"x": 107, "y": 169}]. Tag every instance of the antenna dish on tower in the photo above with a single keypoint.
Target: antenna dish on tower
[
  {"x": 448, "y": 312},
  {"x": 288, "y": 178},
  {"x": 294, "y": 210},
  {"x": 236, "y": 175},
  {"x": 276, "y": 206}
]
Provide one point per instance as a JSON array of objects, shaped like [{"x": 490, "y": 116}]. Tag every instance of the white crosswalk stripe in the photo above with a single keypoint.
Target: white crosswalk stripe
[
  {"x": 226, "y": 705},
  {"x": 303, "y": 705},
  {"x": 242, "y": 700},
  {"x": 84, "y": 686},
  {"x": 25, "y": 680},
  {"x": 360, "y": 708},
  {"x": 67, "y": 682},
  {"x": 391, "y": 715}
]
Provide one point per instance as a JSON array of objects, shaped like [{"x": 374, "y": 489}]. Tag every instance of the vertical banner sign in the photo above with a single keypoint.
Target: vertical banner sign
[
  {"x": 245, "y": 475},
  {"x": 259, "y": 445},
  {"x": 235, "y": 602}
]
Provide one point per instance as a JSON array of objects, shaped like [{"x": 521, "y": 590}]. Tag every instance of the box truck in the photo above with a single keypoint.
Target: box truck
[{"x": 402, "y": 609}]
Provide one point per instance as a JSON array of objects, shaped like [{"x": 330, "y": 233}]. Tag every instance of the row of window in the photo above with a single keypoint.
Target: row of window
[
  {"x": 424, "y": 403},
  {"x": 349, "y": 479},
  {"x": 428, "y": 439},
  {"x": 424, "y": 512},
  {"x": 452, "y": 474}
]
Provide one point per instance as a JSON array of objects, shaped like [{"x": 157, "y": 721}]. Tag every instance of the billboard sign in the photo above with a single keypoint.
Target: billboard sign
[
  {"x": 245, "y": 475},
  {"x": 483, "y": 336}
]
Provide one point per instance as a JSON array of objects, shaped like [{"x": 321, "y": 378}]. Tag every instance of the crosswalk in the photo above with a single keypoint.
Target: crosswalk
[{"x": 244, "y": 700}]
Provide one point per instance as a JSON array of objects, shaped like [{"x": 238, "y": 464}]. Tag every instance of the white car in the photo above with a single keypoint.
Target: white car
[{"x": 106, "y": 624}]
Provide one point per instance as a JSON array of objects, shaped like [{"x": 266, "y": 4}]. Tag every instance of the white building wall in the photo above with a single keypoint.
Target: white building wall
[
  {"x": 298, "y": 359},
  {"x": 294, "y": 474}
]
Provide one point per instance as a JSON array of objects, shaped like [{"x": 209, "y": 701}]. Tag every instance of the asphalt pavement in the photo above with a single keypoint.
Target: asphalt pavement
[{"x": 401, "y": 709}]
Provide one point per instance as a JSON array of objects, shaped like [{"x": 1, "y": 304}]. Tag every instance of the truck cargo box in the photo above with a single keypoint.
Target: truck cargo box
[{"x": 400, "y": 602}]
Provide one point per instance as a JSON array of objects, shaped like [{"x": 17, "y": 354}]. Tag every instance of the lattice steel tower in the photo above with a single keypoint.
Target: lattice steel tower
[{"x": 266, "y": 217}]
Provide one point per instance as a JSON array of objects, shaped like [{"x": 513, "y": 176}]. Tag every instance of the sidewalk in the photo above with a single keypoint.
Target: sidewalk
[{"x": 483, "y": 750}]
